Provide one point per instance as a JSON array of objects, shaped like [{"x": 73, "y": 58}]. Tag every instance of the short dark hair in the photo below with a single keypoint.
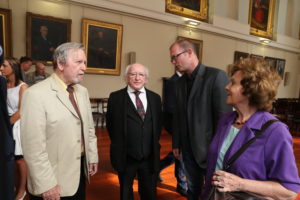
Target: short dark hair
[
  {"x": 25, "y": 59},
  {"x": 259, "y": 81}
]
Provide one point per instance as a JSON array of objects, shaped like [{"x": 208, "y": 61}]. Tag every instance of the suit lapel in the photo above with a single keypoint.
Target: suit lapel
[
  {"x": 63, "y": 98},
  {"x": 80, "y": 99}
]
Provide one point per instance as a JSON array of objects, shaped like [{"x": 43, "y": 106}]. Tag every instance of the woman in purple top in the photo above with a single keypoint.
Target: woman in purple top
[{"x": 267, "y": 168}]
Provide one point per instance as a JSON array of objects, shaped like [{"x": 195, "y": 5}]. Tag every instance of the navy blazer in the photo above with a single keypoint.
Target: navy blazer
[{"x": 117, "y": 127}]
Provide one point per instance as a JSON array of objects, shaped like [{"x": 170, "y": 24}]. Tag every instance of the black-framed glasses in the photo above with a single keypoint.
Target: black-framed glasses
[{"x": 173, "y": 58}]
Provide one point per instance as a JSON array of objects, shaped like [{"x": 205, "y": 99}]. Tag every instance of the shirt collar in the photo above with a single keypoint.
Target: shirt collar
[
  {"x": 131, "y": 90},
  {"x": 60, "y": 82},
  {"x": 194, "y": 73}
]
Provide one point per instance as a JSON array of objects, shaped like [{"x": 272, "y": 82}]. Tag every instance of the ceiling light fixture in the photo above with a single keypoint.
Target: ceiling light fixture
[
  {"x": 192, "y": 23},
  {"x": 264, "y": 41}
]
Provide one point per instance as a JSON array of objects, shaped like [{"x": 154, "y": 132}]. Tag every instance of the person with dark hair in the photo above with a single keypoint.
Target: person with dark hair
[
  {"x": 15, "y": 89},
  {"x": 7, "y": 147},
  {"x": 200, "y": 102},
  {"x": 267, "y": 168},
  {"x": 25, "y": 65},
  {"x": 58, "y": 133}
]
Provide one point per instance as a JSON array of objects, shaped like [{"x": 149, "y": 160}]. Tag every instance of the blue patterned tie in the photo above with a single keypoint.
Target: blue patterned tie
[{"x": 139, "y": 105}]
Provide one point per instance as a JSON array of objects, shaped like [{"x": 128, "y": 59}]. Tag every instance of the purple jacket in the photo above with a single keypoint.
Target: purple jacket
[{"x": 270, "y": 157}]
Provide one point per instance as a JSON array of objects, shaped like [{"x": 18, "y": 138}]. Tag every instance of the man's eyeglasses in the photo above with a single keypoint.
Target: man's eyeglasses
[{"x": 173, "y": 58}]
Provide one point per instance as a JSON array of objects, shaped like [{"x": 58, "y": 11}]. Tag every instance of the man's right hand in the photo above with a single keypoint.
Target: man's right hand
[
  {"x": 176, "y": 153},
  {"x": 52, "y": 194}
]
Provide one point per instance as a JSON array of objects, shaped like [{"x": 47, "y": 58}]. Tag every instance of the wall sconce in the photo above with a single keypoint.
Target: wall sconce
[
  {"x": 192, "y": 23},
  {"x": 264, "y": 41},
  {"x": 286, "y": 78}
]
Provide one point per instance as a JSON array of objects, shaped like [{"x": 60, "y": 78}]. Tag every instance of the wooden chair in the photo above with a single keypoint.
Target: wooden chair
[
  {"x": 103, "y": 111},
  {"x": 96, "y": 110}
]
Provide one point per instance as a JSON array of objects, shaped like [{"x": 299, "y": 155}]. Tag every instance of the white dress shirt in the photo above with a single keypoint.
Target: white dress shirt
[{"x": 142, "y": 96}]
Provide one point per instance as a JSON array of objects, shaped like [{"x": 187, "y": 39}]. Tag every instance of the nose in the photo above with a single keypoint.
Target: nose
[
  {"x": 83, "y": 66},
  {"x": 227, "y": 86}
]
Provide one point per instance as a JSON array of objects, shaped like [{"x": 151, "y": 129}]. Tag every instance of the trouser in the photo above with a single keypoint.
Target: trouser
[
  {"x": 194, "y": 174},
  {"x": 146, "y": 179},
  {"x": 179, "y": 169}
]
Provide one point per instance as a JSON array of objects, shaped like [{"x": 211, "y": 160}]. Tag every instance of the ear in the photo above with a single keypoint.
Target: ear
[{"x": 60, "y": 66}]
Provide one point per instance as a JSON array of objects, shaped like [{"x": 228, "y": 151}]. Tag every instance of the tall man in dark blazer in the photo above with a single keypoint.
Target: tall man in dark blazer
[
  {"x": 134, "y": 126},
  {"x": 200, "y": 101}
]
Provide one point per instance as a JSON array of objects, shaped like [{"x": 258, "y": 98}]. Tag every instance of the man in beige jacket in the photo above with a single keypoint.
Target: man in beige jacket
[{"x": 57, "y": 131}]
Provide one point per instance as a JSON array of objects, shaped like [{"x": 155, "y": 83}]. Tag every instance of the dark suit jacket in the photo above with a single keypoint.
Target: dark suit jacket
[
  {"x": 196, "y": 117},
  {"x": 117, "y": 127},
  {"x": 7, "y": 147},
  {"x": 169, "y": 103}
]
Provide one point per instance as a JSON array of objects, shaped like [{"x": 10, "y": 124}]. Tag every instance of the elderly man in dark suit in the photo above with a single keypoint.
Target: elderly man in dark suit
[
  {"x": 134, "y": 126},
  {"x": 200, "y": 101},
  {"x": 7, "y": 146}
]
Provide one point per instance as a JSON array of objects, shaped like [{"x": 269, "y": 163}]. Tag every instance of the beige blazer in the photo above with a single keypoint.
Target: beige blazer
[{"x": 51, "y": 137}]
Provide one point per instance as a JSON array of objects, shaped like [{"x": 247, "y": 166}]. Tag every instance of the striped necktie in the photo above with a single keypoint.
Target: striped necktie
[{"x": 139, "y": 105}]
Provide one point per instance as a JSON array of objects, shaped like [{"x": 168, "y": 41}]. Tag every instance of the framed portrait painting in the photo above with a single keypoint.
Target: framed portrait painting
[
  {"x": 5, "y": 33},
  {"x": 103, "y": 42},
  {"x": 44, "y": 34},
  {"x": 280, "y": 65},
  {"x": 272, "y": 62},
  {"x": 240, "y": 55},
  {"x": 195, "y": 9},
  {"x": 261, "y": 17},
  {"x": 198, "y": 44},
  {"x": 256, "y": 56}
]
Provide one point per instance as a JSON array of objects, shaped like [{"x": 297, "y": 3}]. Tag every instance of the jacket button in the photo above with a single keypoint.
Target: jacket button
[
  {"x": 78, "y": 158},
  {"x": 78, "y": 123},
  {"x": 78, "y": 141}
]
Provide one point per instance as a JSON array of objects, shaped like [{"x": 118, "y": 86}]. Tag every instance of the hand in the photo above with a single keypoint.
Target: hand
[
  {"x": 93, "y": 168},
  {"x": 176, "y": 153},
  {"x": 52, "y": 194},
  {"x": 226, "y": 182}
]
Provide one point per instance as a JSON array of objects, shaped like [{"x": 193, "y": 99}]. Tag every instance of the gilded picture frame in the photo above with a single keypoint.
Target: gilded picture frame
[
  {"x": 5, "y": 33},
  {"x": 198, "y": 46},
  {"x": 195, "y": 9},
  {"x": 103, "y": 42},
  {"x": 44, "y": 34},
  {"x": 261, "y": 17}
]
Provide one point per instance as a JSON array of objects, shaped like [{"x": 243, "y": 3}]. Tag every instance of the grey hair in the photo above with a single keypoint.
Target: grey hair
[
  {"x": 61, "y": 53},
  {"x": 145, "y": 69}
]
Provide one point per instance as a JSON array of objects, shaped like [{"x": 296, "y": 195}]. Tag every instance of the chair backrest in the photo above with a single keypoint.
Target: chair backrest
[{"x": 104, "y": 105}]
